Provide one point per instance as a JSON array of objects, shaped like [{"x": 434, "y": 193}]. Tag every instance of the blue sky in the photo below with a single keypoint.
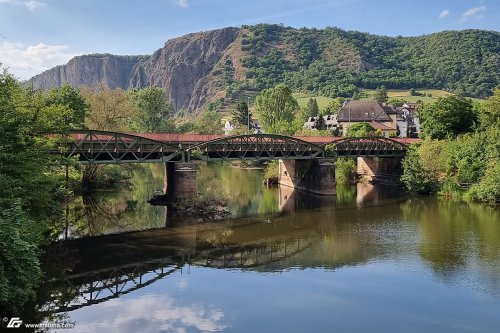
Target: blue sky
[{"x": 38, "y": 34}]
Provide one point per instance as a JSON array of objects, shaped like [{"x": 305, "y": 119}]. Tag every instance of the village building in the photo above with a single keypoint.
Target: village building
[
  {"x": 391, "y": 121},
  {"x": 330, "y": 122},
  {"x": 380, "y": 117}
]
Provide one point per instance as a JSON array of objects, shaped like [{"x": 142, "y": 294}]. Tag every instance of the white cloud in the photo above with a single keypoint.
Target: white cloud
[
  {"x": 444, "y": 13},
  {"x": 182, "y": 3},
  {"x": 473, "y": 13},
  {"x": 25, "y": 61},
  {"x": 149, "y": 313},
  {"x": 30, "y": 4}
]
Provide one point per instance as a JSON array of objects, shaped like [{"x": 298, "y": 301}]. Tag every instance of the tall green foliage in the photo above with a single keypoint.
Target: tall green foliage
[
  {"x": 154, "y": 108},
  {"x": 30, "y": 186},
  {"x": 448, "y": 117},
  {"x": 414, "y": 176},
  {"x": 463, "y": 62},
  {"x": 72, "y": 99},
  {"x": 276, "y": 108},
  {"x": 241, "y": 115},
  {"x": 208, "y": 122},
  {"x": 359, "y": 130},
  {"x": 381, "y": 95}
]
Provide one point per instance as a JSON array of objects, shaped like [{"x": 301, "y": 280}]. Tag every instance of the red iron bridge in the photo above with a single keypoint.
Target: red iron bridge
[{"x": 108, "y": 147}]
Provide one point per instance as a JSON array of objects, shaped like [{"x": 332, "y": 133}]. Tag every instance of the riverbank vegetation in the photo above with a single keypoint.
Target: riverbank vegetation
[
  {"x": 31, "y": 182},
  {"x": 460, "y": 154}
]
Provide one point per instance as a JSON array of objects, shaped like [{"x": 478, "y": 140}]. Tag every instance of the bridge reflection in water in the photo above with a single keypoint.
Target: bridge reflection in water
[
  {"x": 106, "y": 267},
  {"x": 101, "y": 268}
]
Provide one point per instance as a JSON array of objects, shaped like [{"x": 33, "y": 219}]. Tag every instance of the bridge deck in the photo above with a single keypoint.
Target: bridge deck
[{"x": 192, "y": 139}]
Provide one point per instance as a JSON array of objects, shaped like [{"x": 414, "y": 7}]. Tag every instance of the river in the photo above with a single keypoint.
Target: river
[{"x": 366, "y": 260}]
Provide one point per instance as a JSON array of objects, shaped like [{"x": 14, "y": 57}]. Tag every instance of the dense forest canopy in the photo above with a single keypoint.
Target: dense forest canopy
[{"x": 333, "y": 62}]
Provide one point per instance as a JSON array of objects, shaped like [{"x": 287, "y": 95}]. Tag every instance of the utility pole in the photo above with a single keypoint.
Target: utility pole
[{"x": 248, "y": 112}]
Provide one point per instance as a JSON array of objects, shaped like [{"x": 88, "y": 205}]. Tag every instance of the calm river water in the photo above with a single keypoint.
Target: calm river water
[{"x": 367, "y": 260}]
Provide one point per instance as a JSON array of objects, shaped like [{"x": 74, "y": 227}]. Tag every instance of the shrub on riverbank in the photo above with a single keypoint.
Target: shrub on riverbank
[
  {"x": 345, "y": 171},
  {"x": 272, "y": 170},
  {"x": 463, "y": 166},
  {"x": 32, "y": 184}
]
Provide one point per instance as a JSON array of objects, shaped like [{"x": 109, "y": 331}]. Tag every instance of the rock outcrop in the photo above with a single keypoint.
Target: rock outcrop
[{"x": 182, "y": 67}]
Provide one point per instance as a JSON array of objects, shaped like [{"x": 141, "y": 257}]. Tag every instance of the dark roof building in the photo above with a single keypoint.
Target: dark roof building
[{"x": 364, "y": 110}]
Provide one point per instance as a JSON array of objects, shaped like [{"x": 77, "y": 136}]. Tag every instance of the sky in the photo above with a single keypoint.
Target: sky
[{"x": 36, "y": 35}]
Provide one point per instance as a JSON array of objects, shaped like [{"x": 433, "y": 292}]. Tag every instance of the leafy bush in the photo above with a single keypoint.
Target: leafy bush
[{"x": 345, "y": 170}]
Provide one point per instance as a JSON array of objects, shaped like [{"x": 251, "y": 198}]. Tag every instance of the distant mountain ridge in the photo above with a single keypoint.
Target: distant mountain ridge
[{"x": 202, "y": 68}]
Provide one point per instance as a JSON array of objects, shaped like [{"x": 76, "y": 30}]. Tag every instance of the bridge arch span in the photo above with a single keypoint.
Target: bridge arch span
[
  {"x": 370, "y": 146},
  {"x": 259, "y": 147},
  {"x": 109, "y": 147}
]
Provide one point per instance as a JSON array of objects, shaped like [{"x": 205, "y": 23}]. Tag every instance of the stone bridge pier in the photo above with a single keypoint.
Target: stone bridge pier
[
  {"x": 315, "y": 176},
  {"x": 180, "y": 181},
  {"x": 381, "y": 170}
]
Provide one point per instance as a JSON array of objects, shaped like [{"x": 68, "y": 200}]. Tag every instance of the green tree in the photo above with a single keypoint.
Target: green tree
[
  {"x": 490, "y": 110},
  {"x": 208, "y": 122},
  {"x": 276, "y": 108},
  {"x": 448, "y": 117},
  {"x": 110, "y": 109},
  {"x": 73, "y": 100},
  {"x": 241, "y": 115},
  {"x": 487, "y": 189},
  {"x": 415, "y": 178},
  {"x": 359, "y": 130},
  {"x": 31, "y": 188},
  {"x": 334, "y": 106},
  {"x": 312, "y": 107},
  {"x": 154, "y": 108},
  {"x": 320, "y": 123},
  {"x": 381, "y": 95},
  {"x": 396, "y": 102}
]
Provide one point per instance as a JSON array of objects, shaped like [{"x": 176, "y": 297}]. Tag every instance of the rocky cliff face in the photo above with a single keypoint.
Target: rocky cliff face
[
  {"x": 182, "y": 67},
  {"x": 88, "y": 70}
]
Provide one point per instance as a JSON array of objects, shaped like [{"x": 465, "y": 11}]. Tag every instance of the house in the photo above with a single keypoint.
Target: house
[
  {"x": 380, "y": 117},
  {"x": 228, "y": 128},
  {"x": 330, "y": 121},
  {"x": 408, "y": 122},
  {"x": 254, "y": 126}
]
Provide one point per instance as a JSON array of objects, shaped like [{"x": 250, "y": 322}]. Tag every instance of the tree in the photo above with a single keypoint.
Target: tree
[
  {"x": 312, "y": 107},
  {"x": 415, "y": 178},
  {"x": 320, "y": 123},
  {"x": 154, "y": 109},
  {"x": 396, "y": 102},
  {"x": 241, "y": 115},
  {"x": 334, "y": 106},
  {"x": 381, "y": 95},
  {"x": 110, "y": 109},
  {"x": 310, "y": 110},
  {"x": 489, "y": 113},
  {"x": 73, "y": 100},
  {"x": 30, "y": 190},
  {"x": 359, "y": 130},
  {"x": 276, "y": 107},
  {"x": 448, "y": 117},
  {"x": 208, "y": 122}
]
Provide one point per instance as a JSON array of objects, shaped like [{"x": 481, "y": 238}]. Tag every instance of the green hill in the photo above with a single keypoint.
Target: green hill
[{"x": 333, "y": 62}]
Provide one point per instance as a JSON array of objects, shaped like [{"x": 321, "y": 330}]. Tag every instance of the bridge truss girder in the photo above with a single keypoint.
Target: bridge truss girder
[
  {"x": 369, "y": 147},
  {"x": 257, "y": 147},
  {"x": 106, "y": 147}
]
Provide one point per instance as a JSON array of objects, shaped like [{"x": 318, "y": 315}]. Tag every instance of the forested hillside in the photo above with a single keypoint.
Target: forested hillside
[
  {"x": 206, "y": 69},
  {"x": 333, "y": 62}
]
